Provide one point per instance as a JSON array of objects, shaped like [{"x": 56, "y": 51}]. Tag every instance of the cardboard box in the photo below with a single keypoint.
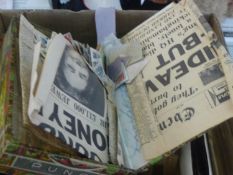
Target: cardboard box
[{"x": 23, "y": 158}]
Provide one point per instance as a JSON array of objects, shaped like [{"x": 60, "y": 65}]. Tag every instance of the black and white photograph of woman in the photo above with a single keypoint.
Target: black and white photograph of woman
[{"x": 76, "y": 79}]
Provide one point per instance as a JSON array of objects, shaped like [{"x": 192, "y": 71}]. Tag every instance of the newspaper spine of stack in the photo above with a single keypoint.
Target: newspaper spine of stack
[{"x": 128, "y": 134}]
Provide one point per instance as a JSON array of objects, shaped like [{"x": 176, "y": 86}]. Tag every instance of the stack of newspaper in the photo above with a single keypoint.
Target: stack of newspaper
[{"x": 135, "y": 99}]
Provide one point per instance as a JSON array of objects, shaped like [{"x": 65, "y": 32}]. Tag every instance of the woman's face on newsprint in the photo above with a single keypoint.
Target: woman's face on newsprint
[{"x": 75, "y": 70}]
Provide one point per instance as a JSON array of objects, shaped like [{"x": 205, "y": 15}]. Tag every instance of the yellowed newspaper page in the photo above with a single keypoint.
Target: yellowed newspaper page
[
  {"x": 28, "y": 37},
  {"x": 184, "y": 83}
]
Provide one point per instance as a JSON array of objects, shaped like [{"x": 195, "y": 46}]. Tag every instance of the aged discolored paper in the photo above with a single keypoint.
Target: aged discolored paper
[
  {"x": 186, "y": 82},
  {"x": 28, "y": 37},
  {"x": 70, "y": 101}
]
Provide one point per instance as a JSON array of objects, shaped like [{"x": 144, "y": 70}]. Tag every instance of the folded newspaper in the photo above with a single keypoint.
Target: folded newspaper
[{"x": 176, "y": 88}]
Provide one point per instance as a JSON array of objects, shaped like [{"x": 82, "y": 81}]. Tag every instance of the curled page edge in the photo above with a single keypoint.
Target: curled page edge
[
  {"x": 34, "y": 77},
  {"x": 134, "y": 69},
  {"x": 52, "y": 59}
]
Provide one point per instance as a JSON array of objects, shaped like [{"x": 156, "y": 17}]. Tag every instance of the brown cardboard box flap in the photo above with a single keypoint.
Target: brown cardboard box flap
[{"x": 82, "y": 24}]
